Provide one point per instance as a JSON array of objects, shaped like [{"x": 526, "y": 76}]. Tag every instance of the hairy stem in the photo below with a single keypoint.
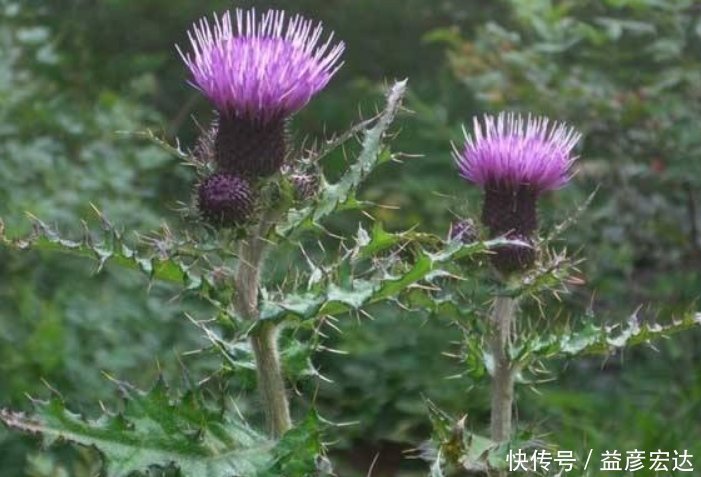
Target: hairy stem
[
  {"x": 271, "y": 383},
  {"x": 270, "y": 380},
  {"x": 503, "y": 377}
]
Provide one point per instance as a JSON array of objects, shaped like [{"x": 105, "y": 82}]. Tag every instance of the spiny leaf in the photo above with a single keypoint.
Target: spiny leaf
[
  {"x": 151, "y": 137},
  {"x": 112, "y": 248},
  {"x": 591, "y": 339},
  {"x": 458, "y": 448},
  {"x": 356, "y": 293},
  {"x": 602, "y": 340},
  {"x": 300, "y": 450},
  {"x": 547, "y": 277},
  {"x": 154, "y": 429},
  {"x": 342, "y": 193}
]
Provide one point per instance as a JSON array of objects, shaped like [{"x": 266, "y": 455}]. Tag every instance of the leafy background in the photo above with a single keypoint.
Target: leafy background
[{"x": 76, "y": 73}]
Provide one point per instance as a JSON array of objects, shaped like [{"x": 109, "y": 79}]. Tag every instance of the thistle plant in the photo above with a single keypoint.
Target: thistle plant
[
  {"x": 271, "y": 276},
  {"x": 256, "y": 73},
  {"x": 253, "y": 199},
  {"x": 514, "y": 160}
]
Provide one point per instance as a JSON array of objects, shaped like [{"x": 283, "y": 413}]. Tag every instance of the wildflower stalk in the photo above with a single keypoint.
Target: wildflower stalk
[
  {"x": 271, "y": 383},
  {"x": 501, "y": 321},
  {"x": 514, "y": 159},
  {"x": 257, "y": 71}
]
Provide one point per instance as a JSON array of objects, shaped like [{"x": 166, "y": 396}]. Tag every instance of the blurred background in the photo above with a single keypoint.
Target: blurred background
[{"x": 76, "y": 74}]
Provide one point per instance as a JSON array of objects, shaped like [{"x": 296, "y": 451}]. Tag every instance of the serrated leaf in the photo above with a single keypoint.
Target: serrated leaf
[
  {"x": 156, "y": 430},
  {"x": 377, "y": 241},
  {"x": 591, "y": 339},
  {"x": 299, "y": 451},
  {"x": 111, "y": 248},
  {"x": 357, "y": 293},
  {"x": 601, "y": 340},
  {"x": 458, "y": 448}
]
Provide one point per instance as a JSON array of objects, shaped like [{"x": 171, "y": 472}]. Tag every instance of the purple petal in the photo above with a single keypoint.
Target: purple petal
[
  {"x": 261, "y": 69},
  {"x": 510, "y": 151}
]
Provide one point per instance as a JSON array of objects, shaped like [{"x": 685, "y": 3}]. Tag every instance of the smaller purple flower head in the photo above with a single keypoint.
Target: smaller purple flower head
[
  {"x": 225, "y": 200},
  {"x": 507, "y": 152},
  {"x": 260, "y": 69}
]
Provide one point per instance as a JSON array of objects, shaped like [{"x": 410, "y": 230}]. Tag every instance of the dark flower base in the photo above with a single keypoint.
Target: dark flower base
[
  {"x": 512, "y": 258},
  {"x": 225, "y": 200},
  {"x": 511, "y": 213},
  {"x": 250, "y": 149}
]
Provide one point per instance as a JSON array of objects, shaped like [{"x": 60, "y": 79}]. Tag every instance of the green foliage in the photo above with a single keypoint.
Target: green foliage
[
  {"x": 533, "y": 347},
  {"x": 154, "y": 429},
  {"x": 182, "y": 432},
  {"x": 66, "y": 141},
  {"x": 457, "y": 449},
  {"x": 600, "y": 340},
  {"x": 61, "y": 152},
  {"x": 112, "y": 248},
  {"x": 300, "y": 451},
  {"x": 335, "y": 289}
]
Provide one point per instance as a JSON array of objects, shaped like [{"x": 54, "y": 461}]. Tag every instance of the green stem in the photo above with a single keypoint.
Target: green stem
[
  {"x": 502, "y": 320},
  {"x": 270, "y": 380},
  {"x": 271, "y": 383}
]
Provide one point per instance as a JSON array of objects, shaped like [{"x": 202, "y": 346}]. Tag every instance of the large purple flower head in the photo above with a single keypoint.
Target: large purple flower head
[
  {"x": 257, "y": 72},
  {"x": 509, "y": 151},
  {"x": 515, "y": 160},
  {"x": 260, "y": 69}
]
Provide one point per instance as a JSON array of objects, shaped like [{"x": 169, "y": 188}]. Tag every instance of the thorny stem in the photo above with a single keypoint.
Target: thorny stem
[
  {"x": 271, "y": 383},
  {"x": 270, "y": 380},
  {"x": 503, "y": 377}
]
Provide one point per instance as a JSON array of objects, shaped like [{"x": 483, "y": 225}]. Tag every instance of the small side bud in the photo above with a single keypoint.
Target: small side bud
[
  {"x": 225, "y": 200},
  {"x": 306, "y": 185},
  {"x": 463, "y": 230}
]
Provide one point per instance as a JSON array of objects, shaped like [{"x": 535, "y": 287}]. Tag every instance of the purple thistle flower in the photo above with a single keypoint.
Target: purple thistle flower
[
  {"x": 514, "y": 160},
  {"x": 263, "y": 69},
  {"x": 258, "y": 72},
  {"x": 509, "y": 152}
]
